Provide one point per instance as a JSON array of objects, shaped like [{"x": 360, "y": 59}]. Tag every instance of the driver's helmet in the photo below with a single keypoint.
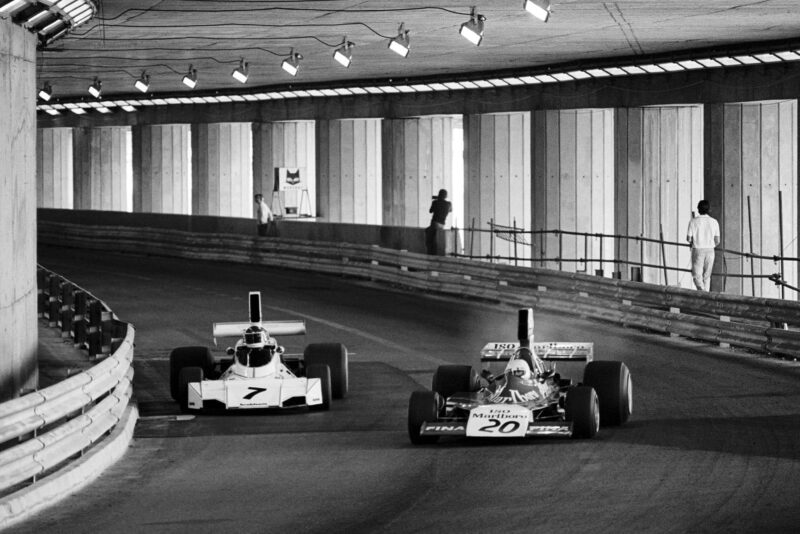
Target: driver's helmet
[
  {"x": 255, "y": 337},
  {"x": 518, "y": 368}
]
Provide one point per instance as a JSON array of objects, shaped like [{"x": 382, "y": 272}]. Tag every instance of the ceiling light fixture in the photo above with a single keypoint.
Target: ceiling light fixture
[
  {"x": 190, "y": 80},
  {"x": 292, "y": 63},
  {"x": 240, "y": 73},
  {"x": 143, "y": 83},
  {"x": 472, "y": 30},
  {"x": 96, "y": 88},
  {"x": 344, "y": 54},
  {"x": 401, "y": 43},
  {"x": 538, "y": 8},
  {"x": 46, "y": 92}
]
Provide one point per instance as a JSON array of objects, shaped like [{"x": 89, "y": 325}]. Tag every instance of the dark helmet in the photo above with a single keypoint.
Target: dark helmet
[{"x": 255, "y": 337}]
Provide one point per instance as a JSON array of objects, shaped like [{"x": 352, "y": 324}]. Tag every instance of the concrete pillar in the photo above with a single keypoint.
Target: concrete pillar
[
  {"x": 417, "y": 163},
  {"x": 659, "y": 182},
  {"x": 18, "y": 305},
  {"x": 752, "y": 152},
  {"x": 349, "y": 170},
  {"x": 161, "y": 168},
  {"x": 54, "y": 168},
  {"x": 222, "y": 180},
  {"x": 289, "y": 146},
  {"x": 573, "y": 187},
  {"x": 497, "y": 181},
  {"x": 102, "y": 168}
]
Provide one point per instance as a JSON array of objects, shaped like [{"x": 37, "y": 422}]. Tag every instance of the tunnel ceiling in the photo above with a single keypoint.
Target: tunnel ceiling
[{"x": 163, "y": 38}]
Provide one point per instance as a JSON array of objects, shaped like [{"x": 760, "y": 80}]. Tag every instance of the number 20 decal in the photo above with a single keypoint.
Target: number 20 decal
[{"x": 504, "y": 428}]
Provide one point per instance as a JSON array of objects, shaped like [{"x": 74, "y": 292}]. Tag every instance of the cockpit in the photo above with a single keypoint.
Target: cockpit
[{"x": 256, "y": 349}]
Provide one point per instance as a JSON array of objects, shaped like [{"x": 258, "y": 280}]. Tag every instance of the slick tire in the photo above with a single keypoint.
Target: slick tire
[
  {"x": 323, "y": 372},
  {"x": 451, "y": 379},
  {"x": 334, "y": 355},
  {"x": 612, "y": 382},
  {"x": 423, "y": 406},
  {"x": 188, "y": 357},
  {"x": 187, "y": 375},
  {"x": 583, "y": 409}
]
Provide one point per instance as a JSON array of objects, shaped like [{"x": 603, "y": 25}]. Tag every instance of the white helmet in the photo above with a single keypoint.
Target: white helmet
[{"x": 518, "y": 368}]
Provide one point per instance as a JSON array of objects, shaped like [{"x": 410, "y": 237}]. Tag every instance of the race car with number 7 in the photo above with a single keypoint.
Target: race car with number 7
[
  {"x": 256, "y": 373},
  {"x": 524, "y": 389}
]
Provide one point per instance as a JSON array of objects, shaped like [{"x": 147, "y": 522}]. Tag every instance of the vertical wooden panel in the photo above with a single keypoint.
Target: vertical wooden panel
[
  {"x": 539, "y": 181},
  {"x": 610, "y": 206},
  {"x": 770, "y": 183},
  {"x": 360, "y": 153},
  {"x": 567, "y": 182},
  {"x": 519, "y": 194},
  {"x": 668, "y": 177},
  {"x": 323, "y": 173},
  {"x": 424, "y": 171},
  {"x": 335, "y": 170},
  {"x": 597, "y": 207},
  {"x": 583, "y": 184},
  {"x": 486, "y": 181},
  {"x": 373, "y": 179},
  {"x": 553, "y": 185},
  {"x": 751, "y": 174}
]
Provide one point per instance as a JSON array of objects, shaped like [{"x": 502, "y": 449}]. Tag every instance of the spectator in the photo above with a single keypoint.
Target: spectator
[
  {"x": 440, "y": 208},
  {"x": 703, "y": 236},
  {"x": 263, "y": 214}
]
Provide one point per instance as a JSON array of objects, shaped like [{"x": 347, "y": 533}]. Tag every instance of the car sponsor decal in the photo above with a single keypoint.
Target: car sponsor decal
[
  {"x": 443, "y": 429},
  {"x": 498, "y": 421}
]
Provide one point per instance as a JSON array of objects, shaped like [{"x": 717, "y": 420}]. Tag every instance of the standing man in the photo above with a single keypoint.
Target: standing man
[
  {"x": 441, "y": 208},
  {"x": 263, "y": 214},
  {"x": 703, "y": 236}
]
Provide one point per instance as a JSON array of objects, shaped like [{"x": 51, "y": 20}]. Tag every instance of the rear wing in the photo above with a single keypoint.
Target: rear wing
[
  {"x": 555, "y": 351},
  {"x": 274, "y": 328}
]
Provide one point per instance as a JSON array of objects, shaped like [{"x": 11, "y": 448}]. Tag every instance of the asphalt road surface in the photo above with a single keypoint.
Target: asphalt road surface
[{"x": 713, "y": 444}]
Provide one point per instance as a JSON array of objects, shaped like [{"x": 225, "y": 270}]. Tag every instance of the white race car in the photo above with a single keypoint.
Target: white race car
[{"x": 257, "y": 373}]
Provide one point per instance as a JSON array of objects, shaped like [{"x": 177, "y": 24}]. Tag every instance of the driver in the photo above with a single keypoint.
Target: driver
[
  {"x": 518, "y": 371},
  {"x": 258, "y": 347}
]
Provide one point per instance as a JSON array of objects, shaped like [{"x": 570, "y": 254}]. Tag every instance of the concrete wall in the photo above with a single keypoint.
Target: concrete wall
[
  {"x": 752, "y": 149},
  {"x": 18, "y": 306},
  {"x": 349, "y": 171},
  {"x": 417, "y": 163},
  {"x": 54, "y": 187},
  {"x": 101, "y": 168},
  {"x": 497, "y": 179},
  {"x": 659, "y": 168},
  {"x": 289, "y": 145},
  {"x": 222, "y": 179},
  {"x": 161, "y": 168},
  {"x": 573, "y": 187}
]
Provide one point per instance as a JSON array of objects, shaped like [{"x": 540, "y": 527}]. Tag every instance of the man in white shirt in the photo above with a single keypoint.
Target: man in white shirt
[
  {"x": 703, "y": 236},
  {"x": 263, "y": 215}
]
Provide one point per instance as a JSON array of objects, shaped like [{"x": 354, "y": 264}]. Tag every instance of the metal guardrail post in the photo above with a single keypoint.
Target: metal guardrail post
[
  {"x": 95, "y": 325},
  {"x": 81, "y": 315},
  {"x": 54, "y": 306},
  {"x": 67, "y": 313}
]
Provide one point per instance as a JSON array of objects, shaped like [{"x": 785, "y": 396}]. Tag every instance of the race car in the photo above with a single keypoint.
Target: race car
[
  {"x": 520, "y": 392},
  {"x": 256, "y": 372}
]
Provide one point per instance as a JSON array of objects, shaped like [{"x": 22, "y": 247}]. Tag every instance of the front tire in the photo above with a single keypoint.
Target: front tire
[
  {"x": 187, "y": 357},
  {"x": 323, "y": 372},
  {"x": 583, "y": 409},
  {"x": 185, "y": 377},
  {"x": 614, "y": 387},
  {"x": 423, "y": 406},
  {"x": 334, "y": 355},
  {"x": 451, "y": 379}
]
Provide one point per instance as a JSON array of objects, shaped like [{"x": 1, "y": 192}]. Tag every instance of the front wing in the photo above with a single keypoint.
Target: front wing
[
  {"x": 253, "y": 393},
  {"x": 497, "y": 421}
]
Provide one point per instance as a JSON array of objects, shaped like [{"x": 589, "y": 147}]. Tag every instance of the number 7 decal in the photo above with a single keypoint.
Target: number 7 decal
[{"x": 253, "y": 392}]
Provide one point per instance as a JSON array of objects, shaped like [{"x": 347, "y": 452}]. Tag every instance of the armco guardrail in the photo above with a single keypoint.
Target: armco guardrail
[
  {"x": 55, "y": 440},
  {"x": 765, "y": 325}
]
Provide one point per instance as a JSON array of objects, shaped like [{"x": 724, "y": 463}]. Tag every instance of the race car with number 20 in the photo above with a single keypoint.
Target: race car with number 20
[
  {"x": 520, "y": 392},
  {"x": 256, "y": 372}
]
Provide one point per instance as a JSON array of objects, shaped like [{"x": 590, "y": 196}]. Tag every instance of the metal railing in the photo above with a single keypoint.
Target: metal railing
[
  {"x": 55, "y": 440},
  {"x": 530, "y": 247}
]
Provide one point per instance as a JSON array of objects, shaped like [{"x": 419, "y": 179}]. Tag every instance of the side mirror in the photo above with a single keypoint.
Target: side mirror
[
  {"x": 279, "y": 349},
  {"x": 229, "y": 351}
]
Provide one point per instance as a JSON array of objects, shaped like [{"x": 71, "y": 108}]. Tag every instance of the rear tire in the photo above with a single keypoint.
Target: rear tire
[
  {"x": 187, "y": 375},
  {"x": 451, "y": 379},
  {"x": 612, "y": 382},
  {"x": 583, "y": 409},
  {"x": 187, "y": 357},
  {"x": 423, "y": 406},
  {"x": 334, "y": 355},
  {"x": 323, "y": 372}
]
